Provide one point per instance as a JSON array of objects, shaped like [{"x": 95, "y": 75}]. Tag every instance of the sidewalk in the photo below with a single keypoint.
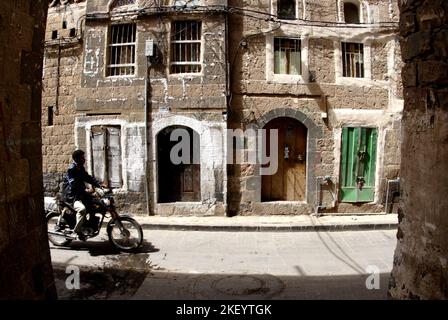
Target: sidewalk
[{"x": 271, "y": 223}]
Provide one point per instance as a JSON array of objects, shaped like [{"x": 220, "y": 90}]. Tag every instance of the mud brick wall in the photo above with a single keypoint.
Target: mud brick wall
[
  {"x": 26, "y": 271},
  {"x": 420, "y": 264}
]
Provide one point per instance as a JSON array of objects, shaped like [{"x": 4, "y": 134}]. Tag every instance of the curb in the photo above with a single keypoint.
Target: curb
[{"x": 254, "y": 228}]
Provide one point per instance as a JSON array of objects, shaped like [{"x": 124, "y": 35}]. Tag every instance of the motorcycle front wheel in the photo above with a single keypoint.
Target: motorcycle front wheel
[
  {"x": 52, "y": 225},
  {"x": 125, "y": 234}
]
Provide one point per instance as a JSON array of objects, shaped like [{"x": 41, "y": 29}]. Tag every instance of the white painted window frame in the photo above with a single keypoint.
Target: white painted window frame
[
  {"x": 201, "y": 58},
  {"x": 287, "y": 78},
  {"x": 340, "y": 79},
  {"x": 109, "y": 45}
]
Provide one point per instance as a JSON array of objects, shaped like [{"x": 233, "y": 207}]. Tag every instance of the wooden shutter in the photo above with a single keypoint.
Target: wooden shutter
[
  {"x": 358, "y": 164},
  {"x": 114, "y": 157},
  {"x": 98, "y": 153}
]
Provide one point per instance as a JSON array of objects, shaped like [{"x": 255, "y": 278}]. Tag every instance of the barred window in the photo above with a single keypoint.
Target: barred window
[
  {"x": 185, "y": 47},
  {"x": 121, "y": 50},
  {"x": 287, "y": 58},
  {"x": 353, "y": 60}
]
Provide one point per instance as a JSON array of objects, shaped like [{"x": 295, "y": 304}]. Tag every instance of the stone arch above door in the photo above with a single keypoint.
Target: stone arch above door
[
  {"x": 315, "y": 132},
  {"x": 212, "y": 160}
]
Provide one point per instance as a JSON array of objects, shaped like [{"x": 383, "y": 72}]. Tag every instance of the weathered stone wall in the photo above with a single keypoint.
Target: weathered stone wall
[
  {"x": 420, "y": 262},
  {"x": 172, "y": 91},
  {"x": 319, "y": 10},
  {"x": 255, "y": 91},
  {"x": 63, "y": 58},
  {"x": 120, "y": 100},
  {"x": 372, "y": 101},
  {"x": 26, "y": 271}
]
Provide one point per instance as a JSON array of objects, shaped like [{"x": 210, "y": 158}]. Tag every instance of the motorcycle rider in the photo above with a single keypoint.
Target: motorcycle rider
[{"x": 74, "y": 188}]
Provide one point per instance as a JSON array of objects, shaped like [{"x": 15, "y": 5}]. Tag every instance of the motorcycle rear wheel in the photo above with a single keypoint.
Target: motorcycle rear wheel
[
  {"x": 52, "y": 220},
  {"x": 130, "y": 239}
]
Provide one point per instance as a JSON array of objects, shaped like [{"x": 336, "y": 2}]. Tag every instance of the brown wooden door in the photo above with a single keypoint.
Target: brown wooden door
[
  {"x": 190, "y": 183},
  {"x": 289, "y": 182}
]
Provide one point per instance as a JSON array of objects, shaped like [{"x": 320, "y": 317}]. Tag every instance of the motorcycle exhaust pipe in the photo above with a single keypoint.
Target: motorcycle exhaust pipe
[{"x": 54, "y": 233}]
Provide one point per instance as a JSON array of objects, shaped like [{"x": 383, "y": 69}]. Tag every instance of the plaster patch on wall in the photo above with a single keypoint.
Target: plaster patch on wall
[{"x": 91, "y": 62}]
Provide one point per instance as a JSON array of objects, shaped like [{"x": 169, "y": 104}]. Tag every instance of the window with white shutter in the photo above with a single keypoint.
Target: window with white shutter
[{"x": 106, "y": 155}]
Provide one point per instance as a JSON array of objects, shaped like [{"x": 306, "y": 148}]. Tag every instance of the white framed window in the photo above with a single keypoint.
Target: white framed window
[
  {"x": 121, "y": 50},
  {"x": 286, "y": 59},
  {"x": 352, "y": 60},
  {"x": 186, "y": 43}
]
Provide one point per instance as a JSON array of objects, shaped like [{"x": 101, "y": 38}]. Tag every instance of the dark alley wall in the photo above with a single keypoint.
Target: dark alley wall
[
  {"x": 25, "y": 266},
  {"x": 420, "y": 263}
]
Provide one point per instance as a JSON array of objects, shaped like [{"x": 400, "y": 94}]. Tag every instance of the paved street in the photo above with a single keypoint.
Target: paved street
[{"x": 231, "y": 265}]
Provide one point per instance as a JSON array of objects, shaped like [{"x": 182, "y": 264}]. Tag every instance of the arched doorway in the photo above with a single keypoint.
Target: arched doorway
[
  {"x": 178, "y": 182},
  {"x": 289, "y": 182}
]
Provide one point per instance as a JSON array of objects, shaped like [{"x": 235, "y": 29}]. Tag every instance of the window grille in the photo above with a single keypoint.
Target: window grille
[
  {"x": 121, "y": 50},
  {"x": 353, "y": 60},
  {"x": 287, "y": 59},
  {"x": 185, "y": 47}
]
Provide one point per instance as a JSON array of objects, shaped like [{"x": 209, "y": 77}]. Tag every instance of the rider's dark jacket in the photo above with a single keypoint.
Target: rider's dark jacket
[{"x": 74, "y": 187}]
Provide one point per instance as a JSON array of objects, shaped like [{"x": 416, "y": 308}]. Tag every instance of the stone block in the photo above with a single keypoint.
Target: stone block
[
  {"x": 416, "y": 45},
  {"x": 432, "y": 72}
]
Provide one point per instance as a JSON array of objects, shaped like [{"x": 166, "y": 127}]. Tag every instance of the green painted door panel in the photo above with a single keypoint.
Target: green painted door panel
[{"x": 358, "y": 157}]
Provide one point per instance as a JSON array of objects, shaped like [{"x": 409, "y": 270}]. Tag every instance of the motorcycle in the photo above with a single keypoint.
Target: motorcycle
[{"x": 123, "y": 232}]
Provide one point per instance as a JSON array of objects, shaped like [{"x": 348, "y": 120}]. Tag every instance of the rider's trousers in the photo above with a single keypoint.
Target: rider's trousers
[{"x": 80, "y": 209}]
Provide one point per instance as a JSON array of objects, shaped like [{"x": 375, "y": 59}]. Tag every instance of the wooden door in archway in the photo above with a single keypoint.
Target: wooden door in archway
[
  {"x": 178, "y": 182},
  {"x": 289, "y": 182}
]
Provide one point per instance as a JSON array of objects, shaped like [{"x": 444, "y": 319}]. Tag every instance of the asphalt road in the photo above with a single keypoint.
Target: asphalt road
[{"x": 232, "y": 265}]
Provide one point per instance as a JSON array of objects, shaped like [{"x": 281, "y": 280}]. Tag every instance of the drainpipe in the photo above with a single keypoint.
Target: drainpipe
[
  {"x": 58, "y": 78},
  {"x": 228, "y": 111},
  {"x": 318, "y": 192},
  {"x": 148, "y": 207}
]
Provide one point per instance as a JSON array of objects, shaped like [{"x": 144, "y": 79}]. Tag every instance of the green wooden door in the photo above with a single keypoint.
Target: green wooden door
[{"x": 358, "y": 157}]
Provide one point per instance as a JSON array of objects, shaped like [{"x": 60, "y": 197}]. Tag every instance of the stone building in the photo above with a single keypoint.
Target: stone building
[
  {"x": 420, "y": 263},
  {"x": 25, "y": 262},
  {"x": 121, "y": 76}
]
